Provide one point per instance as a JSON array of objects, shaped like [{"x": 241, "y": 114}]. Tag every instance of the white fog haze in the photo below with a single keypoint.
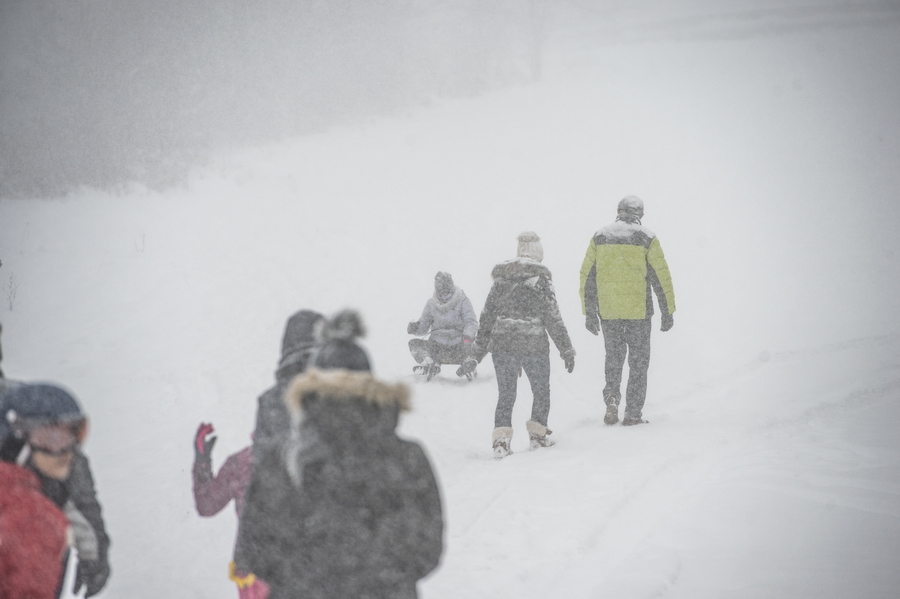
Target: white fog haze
[{"x": 176, "y": 179}]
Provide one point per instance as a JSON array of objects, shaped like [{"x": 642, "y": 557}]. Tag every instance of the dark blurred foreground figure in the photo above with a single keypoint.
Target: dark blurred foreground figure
[
  {"x": 34, "y": 532},
  {"x": 213, "y": 493},
  {"x": 449, "y": 318},
  {"x": 623, "y": 262},
  {"x": 47, "y": 430},
  {"x": 519, "y": 312},
  {"x": 343, "y": 508}
]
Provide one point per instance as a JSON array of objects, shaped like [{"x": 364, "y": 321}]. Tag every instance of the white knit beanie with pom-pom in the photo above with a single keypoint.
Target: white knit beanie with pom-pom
[{"x": 530, "y": 246}]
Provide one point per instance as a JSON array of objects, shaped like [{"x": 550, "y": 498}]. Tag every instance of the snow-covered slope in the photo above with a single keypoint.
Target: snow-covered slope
[{"x": 768, "y": 164}]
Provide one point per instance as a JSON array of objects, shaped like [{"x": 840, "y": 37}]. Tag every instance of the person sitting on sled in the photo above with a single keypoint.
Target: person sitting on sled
[{"x": 449, "y": 318}]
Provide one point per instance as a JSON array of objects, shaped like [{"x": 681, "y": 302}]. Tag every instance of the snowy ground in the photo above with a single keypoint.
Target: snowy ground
[{"x": 766, "y": 148}]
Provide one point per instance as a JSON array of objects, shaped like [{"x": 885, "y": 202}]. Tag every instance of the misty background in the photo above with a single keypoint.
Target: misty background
[{"x": 102, "y": 92}]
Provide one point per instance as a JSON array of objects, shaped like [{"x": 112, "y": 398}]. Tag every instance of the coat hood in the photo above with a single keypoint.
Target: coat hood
[
  {"x": 342, "y": 385},
  {"x": 297, "y": 343},
  {"x": 452, "y": 301},
  {"x": 338, "y": 414}
]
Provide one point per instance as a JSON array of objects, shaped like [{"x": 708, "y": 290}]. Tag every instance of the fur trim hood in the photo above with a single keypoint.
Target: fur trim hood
[
  {"x": 520, "y": 268},
  {"x": 343, "y": 385}
]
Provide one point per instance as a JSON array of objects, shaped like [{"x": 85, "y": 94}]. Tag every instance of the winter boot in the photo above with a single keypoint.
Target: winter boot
[
  {"x": 612, "y": 407},
  {"x": 502, "y": 436},
  {"x": 424, "y": 366},
  {"x": 612, "y": 414},
  {"x": 538, "y": 435},
  {"x": 428, "y": 367},
  {"x": 631, "y": 421}
]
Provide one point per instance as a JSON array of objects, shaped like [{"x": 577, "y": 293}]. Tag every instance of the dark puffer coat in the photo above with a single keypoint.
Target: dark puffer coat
[
  {"x": 342, "y": 508},
  {"x": 520, "y": 311}
]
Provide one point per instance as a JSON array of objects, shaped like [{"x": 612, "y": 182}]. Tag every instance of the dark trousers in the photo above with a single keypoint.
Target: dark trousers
[
  {"x": 631, "y": 338},
  {"x": 441, "y": 354},
  {"x": 537, "y": 369}
]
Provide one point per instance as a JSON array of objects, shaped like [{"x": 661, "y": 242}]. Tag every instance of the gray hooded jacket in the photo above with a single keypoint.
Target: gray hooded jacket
[{"x": 450, "y": 320}]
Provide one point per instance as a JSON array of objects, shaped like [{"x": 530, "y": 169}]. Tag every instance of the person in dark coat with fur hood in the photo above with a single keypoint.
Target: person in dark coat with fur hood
[
  {"x": 518, "y": 314},
  {"x": 342, "y": 507}
]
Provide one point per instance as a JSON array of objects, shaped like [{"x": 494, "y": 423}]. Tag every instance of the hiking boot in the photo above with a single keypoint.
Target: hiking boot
[{"x": 612, "y": 414}]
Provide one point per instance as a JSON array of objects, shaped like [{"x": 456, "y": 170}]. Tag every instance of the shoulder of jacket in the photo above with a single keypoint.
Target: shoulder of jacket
[
  {"x": 620, "y": 230},
  {"x": 520, "y": 268}
]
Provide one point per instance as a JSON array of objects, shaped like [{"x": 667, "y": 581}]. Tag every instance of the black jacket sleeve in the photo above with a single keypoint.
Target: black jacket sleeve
[{"x": 83, "y": 494}]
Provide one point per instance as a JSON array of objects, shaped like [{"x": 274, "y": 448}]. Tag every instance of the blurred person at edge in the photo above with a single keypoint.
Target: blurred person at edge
[
  {"x": 80, "y": 490},
  {"x": 40, "y": 428}
]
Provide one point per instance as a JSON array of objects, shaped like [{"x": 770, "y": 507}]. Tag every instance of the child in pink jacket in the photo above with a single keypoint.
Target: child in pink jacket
[{"x": 212, "y": 494}]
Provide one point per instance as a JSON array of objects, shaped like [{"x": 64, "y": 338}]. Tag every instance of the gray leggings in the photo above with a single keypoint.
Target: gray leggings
[{"x": 537, "y": 369}]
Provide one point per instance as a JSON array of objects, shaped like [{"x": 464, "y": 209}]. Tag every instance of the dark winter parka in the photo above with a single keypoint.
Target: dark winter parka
[
  {"x": 343, "y": 508},
  {"x": 520, "y": 311}
]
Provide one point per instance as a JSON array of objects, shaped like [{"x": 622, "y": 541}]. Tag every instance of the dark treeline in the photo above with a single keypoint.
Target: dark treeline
[{"x": 103, "y": 92}]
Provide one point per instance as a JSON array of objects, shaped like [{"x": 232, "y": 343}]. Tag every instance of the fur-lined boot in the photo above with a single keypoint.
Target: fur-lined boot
[
  {"x": 502, "y": 436},
  {"x": 538, "y": 435}
]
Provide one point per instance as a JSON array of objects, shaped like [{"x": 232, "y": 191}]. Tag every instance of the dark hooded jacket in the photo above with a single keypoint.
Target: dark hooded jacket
[
  {"x": 343, "y": 507},
  {"x": 520, "y": 311},
  {"x": 272, "y": 419}
]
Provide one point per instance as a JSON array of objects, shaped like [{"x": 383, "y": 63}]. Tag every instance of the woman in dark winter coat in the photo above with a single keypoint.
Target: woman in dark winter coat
[
  {"x": 343, "y": 508},
  {"x": 520, "y": 311}
]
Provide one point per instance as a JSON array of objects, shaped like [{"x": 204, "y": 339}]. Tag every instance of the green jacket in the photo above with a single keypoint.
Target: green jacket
[{"x": 622, "y": 263}]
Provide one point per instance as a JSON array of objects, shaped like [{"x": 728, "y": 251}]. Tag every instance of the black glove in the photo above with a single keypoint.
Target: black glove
[
  {"x": 667, "y": 322},
  {"x": 467, "y": 367},
  {"x": 93, "y": 574},
  {"x": 203, "y": 443},
  {"x": 592, "y": 323},
  {"x": 412, "y": 327},
  {"x": 569, "y": 359}
]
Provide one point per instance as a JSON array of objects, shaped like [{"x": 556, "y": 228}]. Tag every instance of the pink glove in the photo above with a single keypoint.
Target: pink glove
[{"x": 203, "y": 443}]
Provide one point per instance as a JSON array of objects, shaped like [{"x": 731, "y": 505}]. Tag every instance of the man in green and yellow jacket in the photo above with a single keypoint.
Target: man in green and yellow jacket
[{"x": 624, "y": 261}]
